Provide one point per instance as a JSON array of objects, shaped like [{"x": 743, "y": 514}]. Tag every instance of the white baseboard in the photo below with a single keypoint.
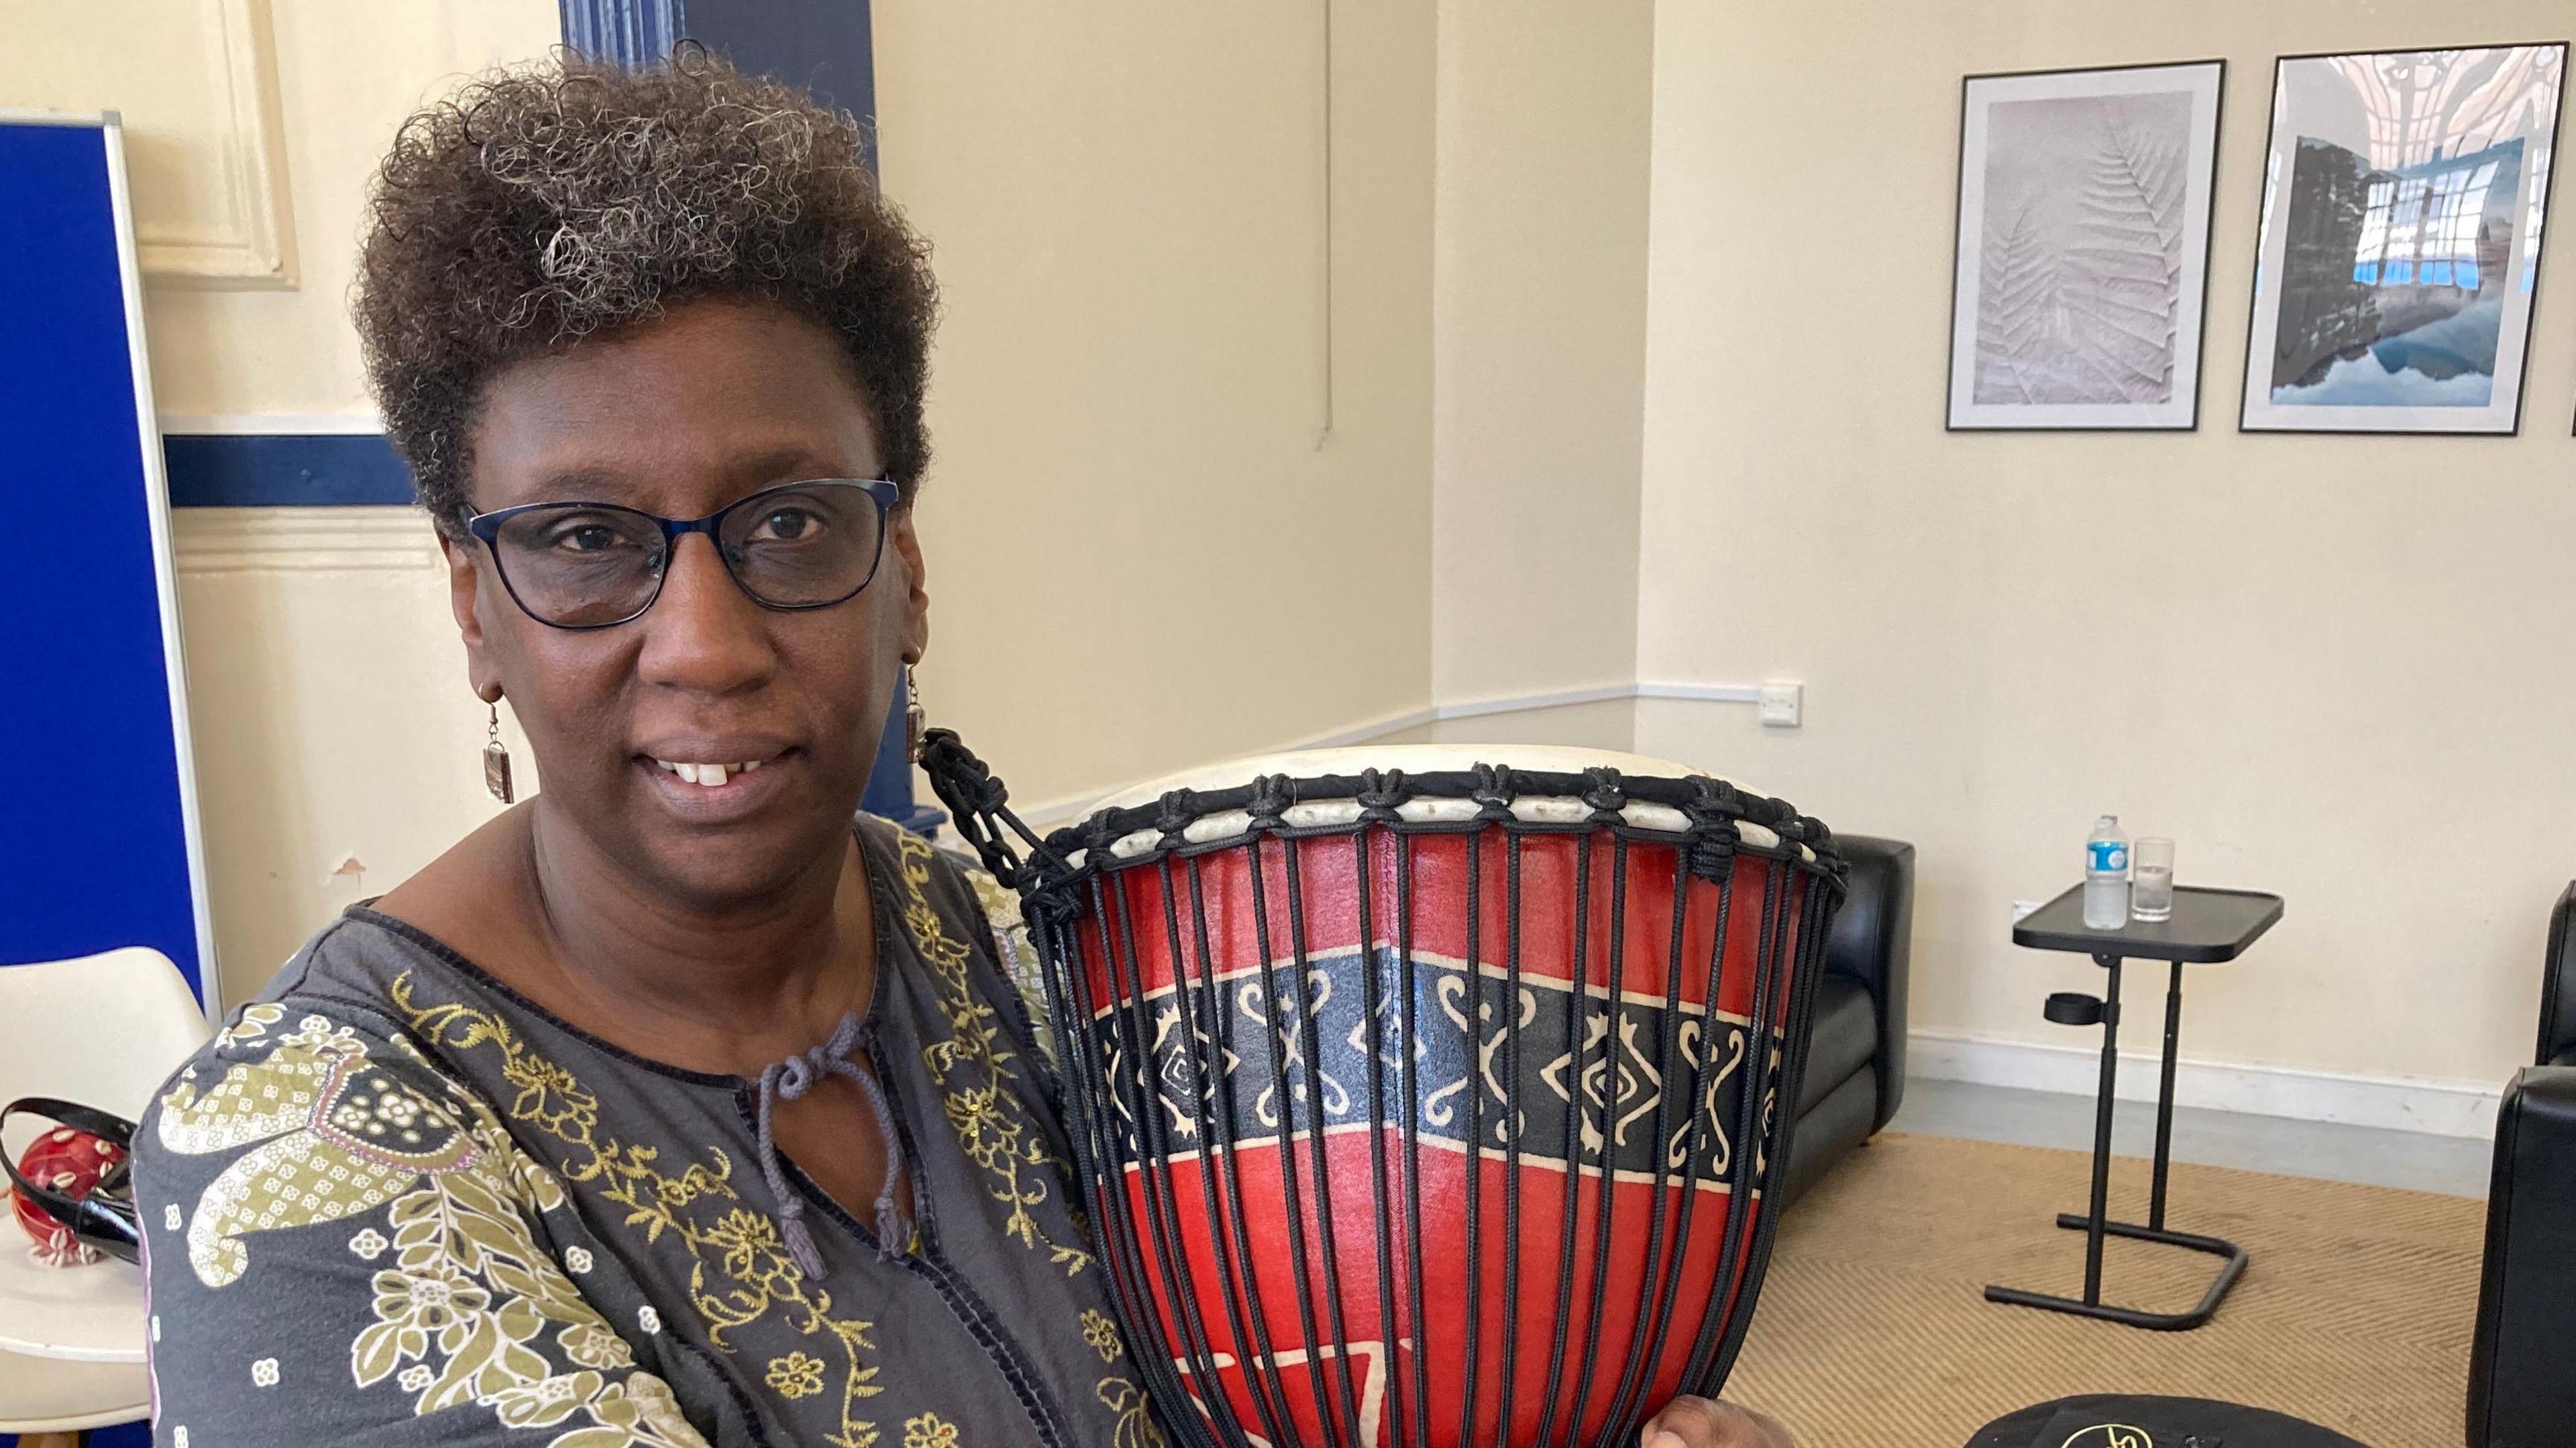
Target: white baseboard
[{"x": 2396, "y": 1103}]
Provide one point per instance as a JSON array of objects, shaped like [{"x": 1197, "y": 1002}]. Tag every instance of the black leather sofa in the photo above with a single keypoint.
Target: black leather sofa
[
  {"x": 2522, "y": 1363},
  {"x": 1856, "y": 1063}
]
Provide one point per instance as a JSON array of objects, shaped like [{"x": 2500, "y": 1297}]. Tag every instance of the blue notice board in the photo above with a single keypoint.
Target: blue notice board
[{"x": 99, "y": 840}]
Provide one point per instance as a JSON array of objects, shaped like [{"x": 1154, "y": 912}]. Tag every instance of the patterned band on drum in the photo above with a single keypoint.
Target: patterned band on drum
[{"x": 1422, "y": 1101}]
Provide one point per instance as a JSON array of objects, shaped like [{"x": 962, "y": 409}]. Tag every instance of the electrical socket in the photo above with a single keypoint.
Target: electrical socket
[{"x": 1781, "y": 704}]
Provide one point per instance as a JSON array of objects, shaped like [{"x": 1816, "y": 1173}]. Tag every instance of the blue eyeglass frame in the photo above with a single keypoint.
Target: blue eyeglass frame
[{"x": 885, "y": 495}]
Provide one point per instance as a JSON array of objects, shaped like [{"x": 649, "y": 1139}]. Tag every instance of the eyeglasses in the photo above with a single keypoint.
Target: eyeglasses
[{"x": 796, "y": 546}]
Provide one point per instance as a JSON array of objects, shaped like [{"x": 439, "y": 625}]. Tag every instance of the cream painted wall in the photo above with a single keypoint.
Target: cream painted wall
[
  {"x": 327, "y": 691},
  {"x": 326, "y": 687},
  {"x": 347, "y": 75},
  {"x": 1140, "y": 555},
  {"x": 2330, "y": 667},
  {"x": 1539, "y": 321}
]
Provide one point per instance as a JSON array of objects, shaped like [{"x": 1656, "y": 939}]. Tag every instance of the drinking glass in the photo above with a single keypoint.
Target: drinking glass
[{"x": 2151, "y": 882}]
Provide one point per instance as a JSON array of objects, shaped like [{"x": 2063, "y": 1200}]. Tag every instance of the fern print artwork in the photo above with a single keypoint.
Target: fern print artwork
[
  {"x": 2083, "y": 245},
  {"x": 2082, "y": 265}
]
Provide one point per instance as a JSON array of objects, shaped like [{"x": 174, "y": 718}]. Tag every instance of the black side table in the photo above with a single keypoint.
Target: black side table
[{"x": 2208, "y": 926}]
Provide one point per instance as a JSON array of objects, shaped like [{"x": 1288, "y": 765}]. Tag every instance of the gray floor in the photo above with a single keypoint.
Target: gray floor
[{"x": 2412, "y": 1160}]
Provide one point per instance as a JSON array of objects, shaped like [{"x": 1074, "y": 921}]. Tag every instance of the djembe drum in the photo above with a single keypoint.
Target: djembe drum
[{"x": 1419, "y": 1100}]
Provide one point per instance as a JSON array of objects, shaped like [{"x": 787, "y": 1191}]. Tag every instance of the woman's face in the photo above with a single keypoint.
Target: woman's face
[{"x": 680, "y": 417}]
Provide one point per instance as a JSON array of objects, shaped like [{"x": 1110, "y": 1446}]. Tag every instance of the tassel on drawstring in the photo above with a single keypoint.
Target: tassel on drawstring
[{"x": 786, "y": 1081}]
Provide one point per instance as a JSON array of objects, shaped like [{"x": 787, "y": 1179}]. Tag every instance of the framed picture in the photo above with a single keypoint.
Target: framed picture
[
  {"x": 2083, "y": 247},
  {"x": 2403, "y": 193}
]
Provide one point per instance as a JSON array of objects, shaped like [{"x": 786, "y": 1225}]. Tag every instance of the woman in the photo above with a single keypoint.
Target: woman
[{"x": 665, "y": 1109}]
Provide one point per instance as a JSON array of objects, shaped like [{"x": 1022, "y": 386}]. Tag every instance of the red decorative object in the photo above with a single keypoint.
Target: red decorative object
[
  {"x": 1433, "y": 1108},
  {"x": 70, "y": 1162}
]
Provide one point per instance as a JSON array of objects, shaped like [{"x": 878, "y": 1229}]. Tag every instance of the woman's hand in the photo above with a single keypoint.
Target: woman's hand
[{"x": 1706, "y": 1423}]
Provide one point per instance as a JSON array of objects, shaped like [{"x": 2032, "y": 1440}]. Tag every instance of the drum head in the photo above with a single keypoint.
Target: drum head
[{"x": 1411, "y": 758}]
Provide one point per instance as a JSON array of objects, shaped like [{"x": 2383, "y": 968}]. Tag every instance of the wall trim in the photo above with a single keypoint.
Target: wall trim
[
  {"x": 273, "y": 470},
  {"x": 207, "y": 541},
  {"x": 2395, "y": 1103}
]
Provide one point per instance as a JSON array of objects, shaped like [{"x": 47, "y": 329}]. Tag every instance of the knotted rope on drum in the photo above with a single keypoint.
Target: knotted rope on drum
[
  {"x": 1602, "y": 792},
  {"x": 1272, "y": 794},
  {"x": 1174, "y": 811},
  {"x": 979, "y": 803},
  {"x": 1381, "y": 796},
  {"x": 1713, "y": 835}
]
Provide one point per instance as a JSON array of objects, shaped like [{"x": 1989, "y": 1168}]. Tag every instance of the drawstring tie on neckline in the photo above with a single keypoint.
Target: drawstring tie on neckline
[{"x": 789, "y": 1079}]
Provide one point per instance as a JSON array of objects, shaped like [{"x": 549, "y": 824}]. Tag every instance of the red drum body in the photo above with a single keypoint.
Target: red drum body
[{"x": 1426, "y": 1102}]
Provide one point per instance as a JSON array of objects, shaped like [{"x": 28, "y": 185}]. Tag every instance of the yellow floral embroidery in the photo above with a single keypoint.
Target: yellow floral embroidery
[
  {"x": 1135, "y": 1426},
  {"x": 1102, "y": 1334},
  {"x": 971, "y": 1070},
  {"x": 796, "y": 1375},
  {"x": 1002, "y": 1140},
  {"x": 1018, "y": 957},
  {"x": 741, "y": 1271},
  {"x": 929, "y": 1431},
  {"x": 340, "y": 1132}
]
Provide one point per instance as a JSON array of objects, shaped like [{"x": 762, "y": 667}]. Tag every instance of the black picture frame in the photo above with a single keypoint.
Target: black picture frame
[
  {"x": 2207, "y": 166},
  {"x": 2254, "y": 331}
]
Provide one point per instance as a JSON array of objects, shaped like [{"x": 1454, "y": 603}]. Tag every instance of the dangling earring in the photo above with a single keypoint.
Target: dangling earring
[
  {"x": 496, "y": 761},
  {"x": 913, "y": 719}
]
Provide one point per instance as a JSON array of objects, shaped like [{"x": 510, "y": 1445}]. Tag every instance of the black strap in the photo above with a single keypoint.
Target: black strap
[{"x": 105, "y": 1217}]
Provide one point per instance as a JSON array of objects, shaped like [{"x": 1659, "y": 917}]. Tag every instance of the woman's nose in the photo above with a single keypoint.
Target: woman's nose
[{"x": 704, "y": 633}]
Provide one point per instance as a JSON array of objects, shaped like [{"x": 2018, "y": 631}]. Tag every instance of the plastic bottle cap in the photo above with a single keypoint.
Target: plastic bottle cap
[{"x": 2106, "y": 821}]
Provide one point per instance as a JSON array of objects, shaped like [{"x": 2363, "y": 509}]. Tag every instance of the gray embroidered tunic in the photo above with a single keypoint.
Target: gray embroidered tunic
[{"x": 395, "y": 1203}]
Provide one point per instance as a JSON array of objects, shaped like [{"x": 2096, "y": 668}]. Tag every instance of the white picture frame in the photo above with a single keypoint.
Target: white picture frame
[
  {"x": 2080, "y": 279},
  {"x": 2414, "y": 185}
]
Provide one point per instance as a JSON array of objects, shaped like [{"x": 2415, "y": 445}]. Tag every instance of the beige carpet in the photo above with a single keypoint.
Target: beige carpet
[{"x": 2355, "y": 1312}]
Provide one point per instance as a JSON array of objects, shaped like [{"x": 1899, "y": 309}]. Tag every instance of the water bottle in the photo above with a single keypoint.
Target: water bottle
[{"x": 2106, "y": 876}]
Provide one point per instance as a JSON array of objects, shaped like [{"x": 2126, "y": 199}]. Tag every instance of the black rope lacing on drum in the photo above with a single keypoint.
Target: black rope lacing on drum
[
  {"x": 1381, "y": 796},
  {"x": 1713, "y": 835},
  {"x": 1602, "y": 792},
  {"x": 1179, "y": 808}
]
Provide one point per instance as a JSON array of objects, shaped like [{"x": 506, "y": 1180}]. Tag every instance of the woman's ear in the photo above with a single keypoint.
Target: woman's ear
[
  {"x": 464, "y": 598},
  {"x": 916, "y": 603}
]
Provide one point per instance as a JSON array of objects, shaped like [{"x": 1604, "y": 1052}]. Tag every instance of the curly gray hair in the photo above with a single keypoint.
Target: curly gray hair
[{"x": 545, "y": 203}]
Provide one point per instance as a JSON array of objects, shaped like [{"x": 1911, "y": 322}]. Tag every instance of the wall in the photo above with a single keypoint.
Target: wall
[
  {"x": 326, "y": 687},
  {"x": 1141, "y": 555},
  {"x": 1540, "y": 326},
  {"x": 2329, "y": 667}
]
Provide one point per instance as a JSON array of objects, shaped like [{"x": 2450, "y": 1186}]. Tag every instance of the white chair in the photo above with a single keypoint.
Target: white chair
[{"x": 104, "y": 1031}]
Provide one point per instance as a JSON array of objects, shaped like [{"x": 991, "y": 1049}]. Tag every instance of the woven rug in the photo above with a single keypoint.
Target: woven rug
[{"x": 2355, "y": 1312}]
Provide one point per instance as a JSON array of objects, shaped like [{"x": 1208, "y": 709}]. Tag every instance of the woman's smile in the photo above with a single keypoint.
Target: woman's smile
[{"x": 707, "y": 785}]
